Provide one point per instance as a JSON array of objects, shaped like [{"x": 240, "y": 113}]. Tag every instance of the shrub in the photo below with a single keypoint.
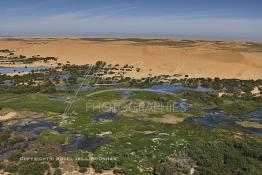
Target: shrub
[
  {"x": 1, "y": 166},
  {"x": 82, "y": 169},
  {"x": 11, "y": 168},
  {"x": 99, "y": 166},
  {"x": 213, "y": 158},
  {"x": 57, "y": 172},
  {"x": 179, "y": 163},
  {"x": 83, "y": 163},
  {"x": 15, "y": 156},
  {"x": 55, "y": 164},
  {"x": 5, "y": 135},
  {"x": 35, "y": 168}
]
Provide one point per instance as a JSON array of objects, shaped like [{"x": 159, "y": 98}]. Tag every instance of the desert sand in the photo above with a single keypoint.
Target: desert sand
[{"x": 224, "y": 59}]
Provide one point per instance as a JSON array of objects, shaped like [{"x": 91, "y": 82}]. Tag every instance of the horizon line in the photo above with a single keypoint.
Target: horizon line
[{"x": 129, "y": 37}]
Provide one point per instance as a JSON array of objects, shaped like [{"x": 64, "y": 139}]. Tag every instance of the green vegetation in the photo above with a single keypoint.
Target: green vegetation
[
  {"x": 214, "y": 157},
  {"x": 57, "y": 172},
  {"x": 229, "y": 104},
  {"x": 35, "y": 168},
  {"x": 83, "y": 165},
  {"x": 11, "y": 168},
  {"x": 224, "y": 157},
  {"x": 139, "y": 142},
  {"x": 55, "y": 164},
  {"x": 51, "y": 137},
  {"x": 32, "y": 102},
  {"x": 240, "y": 105}
]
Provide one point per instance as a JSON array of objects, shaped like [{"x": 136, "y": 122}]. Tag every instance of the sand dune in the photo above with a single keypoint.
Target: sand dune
[{"x": 224, "y": 59}]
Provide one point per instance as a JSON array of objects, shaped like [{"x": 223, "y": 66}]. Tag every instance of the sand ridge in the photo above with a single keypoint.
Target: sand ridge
[{"x": 225, "y": 59}]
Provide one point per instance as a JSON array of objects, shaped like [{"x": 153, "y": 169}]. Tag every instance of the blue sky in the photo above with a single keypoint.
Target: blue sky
[{"x": 206, "y": 19}]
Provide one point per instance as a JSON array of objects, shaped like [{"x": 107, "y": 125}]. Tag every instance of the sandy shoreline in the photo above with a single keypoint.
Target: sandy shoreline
[{"x": 225, "y": 59}]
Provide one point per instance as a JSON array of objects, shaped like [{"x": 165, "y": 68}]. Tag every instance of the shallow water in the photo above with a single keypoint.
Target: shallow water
[
  {"x": 104, "y": 117},
  {"x": 175, "y": 88},
  {"x": 64, "y": 99},
  {"x": 157, "y": 135},
  {"x": 62, "y": 88},
  {"x": 254, "y": 116},
  {"x": 182, "y": 105},
  {"x": 36, "y": 126},
  {"x": 212, "y": 117},
  {"x": 22, "y": 69},
  {"x": 33, "y": 125},
  {"x": 125, "y": 93},
  {"x": 61, "y": 76},
  {"x": 7, "y": 84},
  {"x": 86, "y": 143},
  {"x": 80, "y": 89},
  {"x": 252, "y": 130},
  {"x": 84, "y": 88}
]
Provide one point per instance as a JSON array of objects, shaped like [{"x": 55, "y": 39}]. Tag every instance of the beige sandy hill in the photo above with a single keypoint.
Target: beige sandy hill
[{"x": 225, "y": 59}]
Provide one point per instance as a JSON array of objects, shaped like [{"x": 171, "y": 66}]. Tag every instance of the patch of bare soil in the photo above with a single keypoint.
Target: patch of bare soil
[
  {"x": 7, "y": 114},
  {"x": 169, "y": 119}
]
